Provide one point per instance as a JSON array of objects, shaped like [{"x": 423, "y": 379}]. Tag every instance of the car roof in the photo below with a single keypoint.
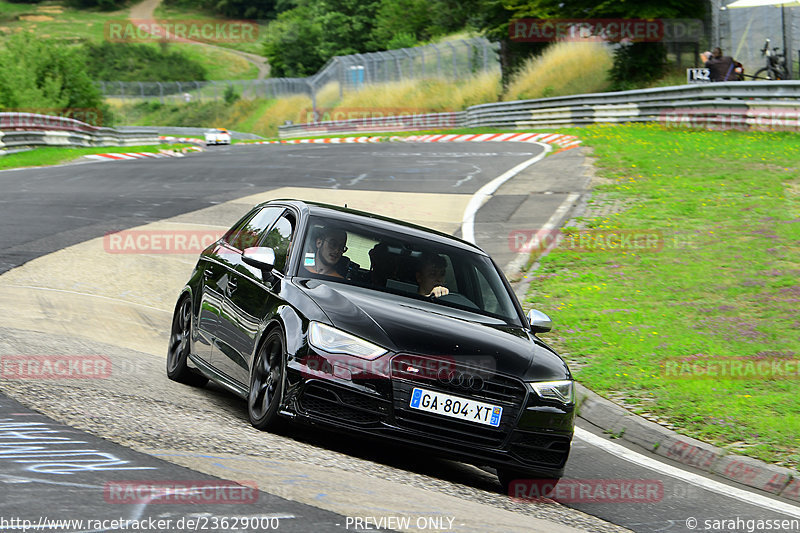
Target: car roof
[{"x": 346, "y": 213}]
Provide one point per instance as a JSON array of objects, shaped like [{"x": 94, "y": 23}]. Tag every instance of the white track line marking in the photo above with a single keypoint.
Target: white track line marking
[
  {"x": 77, "y": 293},
  {"x": 475, "y": 203},
  {"x": 525, "y": 251},
  {"x": 690, "y": 477}
]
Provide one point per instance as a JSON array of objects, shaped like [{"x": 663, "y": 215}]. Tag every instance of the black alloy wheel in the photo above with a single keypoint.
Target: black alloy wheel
[
  {"x": 179, "y": 346},
  {"x": 266, "y": 383}
]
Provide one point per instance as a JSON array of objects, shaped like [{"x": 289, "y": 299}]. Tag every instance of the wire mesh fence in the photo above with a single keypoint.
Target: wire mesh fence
[{"x": 451, "y": 60}]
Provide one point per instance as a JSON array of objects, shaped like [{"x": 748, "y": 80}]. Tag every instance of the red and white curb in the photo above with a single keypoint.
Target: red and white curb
[
  {"x": 564, "y": 142},
  {"x": 187, "y": 140},
  {"x": 558, "y": 139},
  {"x": 331, "y": 140},
  {"x": 139, "y": 155}
]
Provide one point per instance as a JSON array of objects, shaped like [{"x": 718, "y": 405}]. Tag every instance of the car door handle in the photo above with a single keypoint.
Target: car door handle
[
  {"x": 207, "y": 273},
  {"x": 232, "y": 284}
]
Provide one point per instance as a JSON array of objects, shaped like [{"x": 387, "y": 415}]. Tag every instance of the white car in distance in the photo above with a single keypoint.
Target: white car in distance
[{"x": 218, "y": 136}]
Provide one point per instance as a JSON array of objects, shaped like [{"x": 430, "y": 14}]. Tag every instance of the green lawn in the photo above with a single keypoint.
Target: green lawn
[
  {"x": 254, "y": 45},
  {"x": 722, "y": 288},
  {"x": 52, "y": 19},
  {"x": 54, "y": 155}
]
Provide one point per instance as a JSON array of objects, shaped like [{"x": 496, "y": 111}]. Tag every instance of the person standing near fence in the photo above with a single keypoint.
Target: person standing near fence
[{"x": 722, "y": 68}]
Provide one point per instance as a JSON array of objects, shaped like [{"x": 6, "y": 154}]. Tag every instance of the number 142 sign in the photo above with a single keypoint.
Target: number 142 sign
[{"x": 698, "y": 75}]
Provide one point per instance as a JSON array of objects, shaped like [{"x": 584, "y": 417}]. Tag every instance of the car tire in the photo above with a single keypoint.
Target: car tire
[
  {"x": 507, "y": 477},
  {"x": 266, "y": 382},
  {"x": 180, "y": 345}
]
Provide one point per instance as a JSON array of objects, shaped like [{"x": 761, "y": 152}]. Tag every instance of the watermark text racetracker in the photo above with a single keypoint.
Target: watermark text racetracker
[
  {"x": 588, "y": 490},
  {"x": 180, "y": 491},
  {"x": 732, "y": 368},
  {"x": 207, "y": 31},
  {"x": 611, "y": 30},
  {"x": 595, "y": 240},
  {"x": 403, "y": 117},
  {"x": 743, "y": 118},
  {"x": 55, "y": 367},
  {"x": 440, "y": 368},
  {"x": 48, "y": 367},
  {"x": 160, "y": 241}
]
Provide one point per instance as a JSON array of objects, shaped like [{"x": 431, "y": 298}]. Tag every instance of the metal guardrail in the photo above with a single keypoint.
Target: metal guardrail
[
  {"x": 181, "y": 131},
  {"x": 767, "y": 105},
  {"x": 31, "y": 129}
]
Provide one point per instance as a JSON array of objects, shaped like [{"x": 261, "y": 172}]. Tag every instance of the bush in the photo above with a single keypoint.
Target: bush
[
  {"x": 401, "y": 40},
  {"x": 563, "y": 68},
  {"x": 248, "y": 9},
  {"x": 637, "y": 64},
  {"x": 46, "y": 75},
  {"x": 103, "y": 5},
  {"x": 140, "y": 62},
  {"x": 230, "y": 95}
]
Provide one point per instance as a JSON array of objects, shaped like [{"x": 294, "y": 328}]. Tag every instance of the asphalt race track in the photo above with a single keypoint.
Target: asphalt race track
[{"x": 66, "y": 444}]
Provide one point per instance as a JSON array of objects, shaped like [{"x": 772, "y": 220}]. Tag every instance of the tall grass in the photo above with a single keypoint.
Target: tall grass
[
  {"x": 292, "y": 108},
  {"x": 562, "y": 69},
  {"x": 328, "y": 96},
  {"x": 427, "y": 95},
  {"x": 259, "y": 116}
]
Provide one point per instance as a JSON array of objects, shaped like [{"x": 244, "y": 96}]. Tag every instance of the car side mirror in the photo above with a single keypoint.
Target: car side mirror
[
  {"x": 261, "y": 258},
  {"x": 540, "y": 322}
]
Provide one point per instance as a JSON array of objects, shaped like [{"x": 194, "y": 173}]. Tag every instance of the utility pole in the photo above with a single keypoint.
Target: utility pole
[{"x": 714, "y": 38}]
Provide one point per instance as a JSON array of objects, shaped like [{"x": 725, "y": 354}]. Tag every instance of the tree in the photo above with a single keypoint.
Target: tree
[
  {"x": 42, "y": 74},
  {"x": 493, "y": 18},
  {"x": 346, "y": 25},
  {"x": 302, "y": 39},
  {"x": 237, "y": 9},
  {"x": 292, "y": 45}
]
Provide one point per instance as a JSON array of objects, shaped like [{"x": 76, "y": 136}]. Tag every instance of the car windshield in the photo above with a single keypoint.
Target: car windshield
[{"x": 357, "y": 253}]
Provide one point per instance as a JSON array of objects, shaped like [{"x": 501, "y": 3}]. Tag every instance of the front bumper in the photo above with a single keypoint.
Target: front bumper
[{"x": 533, "y": 435}]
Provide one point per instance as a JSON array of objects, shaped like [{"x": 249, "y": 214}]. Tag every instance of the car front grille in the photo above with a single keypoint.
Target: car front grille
[
  {"x": 477, "y": 384},
  {"x": 340, "y": 404}
]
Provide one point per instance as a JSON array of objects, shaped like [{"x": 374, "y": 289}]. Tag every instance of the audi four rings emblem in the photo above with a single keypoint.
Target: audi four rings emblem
[{"x": 457, "y": 378}]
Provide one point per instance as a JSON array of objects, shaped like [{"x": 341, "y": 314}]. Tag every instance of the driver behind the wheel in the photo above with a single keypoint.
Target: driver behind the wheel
[
  {"x": 329, "y": 244},
  {"x": 431, "y": 272}
]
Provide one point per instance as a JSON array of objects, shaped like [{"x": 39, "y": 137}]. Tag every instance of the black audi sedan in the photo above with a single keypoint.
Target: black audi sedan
[{"x": 362, "y": 323}]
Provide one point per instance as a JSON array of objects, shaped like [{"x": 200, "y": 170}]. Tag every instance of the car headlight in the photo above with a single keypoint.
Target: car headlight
[
  {"x": 560, "y": 391},
  {"x": 332, "y": 340}
]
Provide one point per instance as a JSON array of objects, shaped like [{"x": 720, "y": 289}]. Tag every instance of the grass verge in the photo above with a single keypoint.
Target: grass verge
[
  {"x": 55, "y": 155},
  {"x": 700, "y": 332},
  {"x": 56, "y": 20}
]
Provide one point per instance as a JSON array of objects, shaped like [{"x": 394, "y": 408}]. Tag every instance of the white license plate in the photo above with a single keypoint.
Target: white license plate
[{"x": 456, "y": 407}]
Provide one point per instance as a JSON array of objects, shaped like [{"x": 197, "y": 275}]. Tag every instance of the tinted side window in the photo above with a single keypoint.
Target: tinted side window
[
  {"x": 279, "y": 237},
  {"x": 246, "y": 235}
]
